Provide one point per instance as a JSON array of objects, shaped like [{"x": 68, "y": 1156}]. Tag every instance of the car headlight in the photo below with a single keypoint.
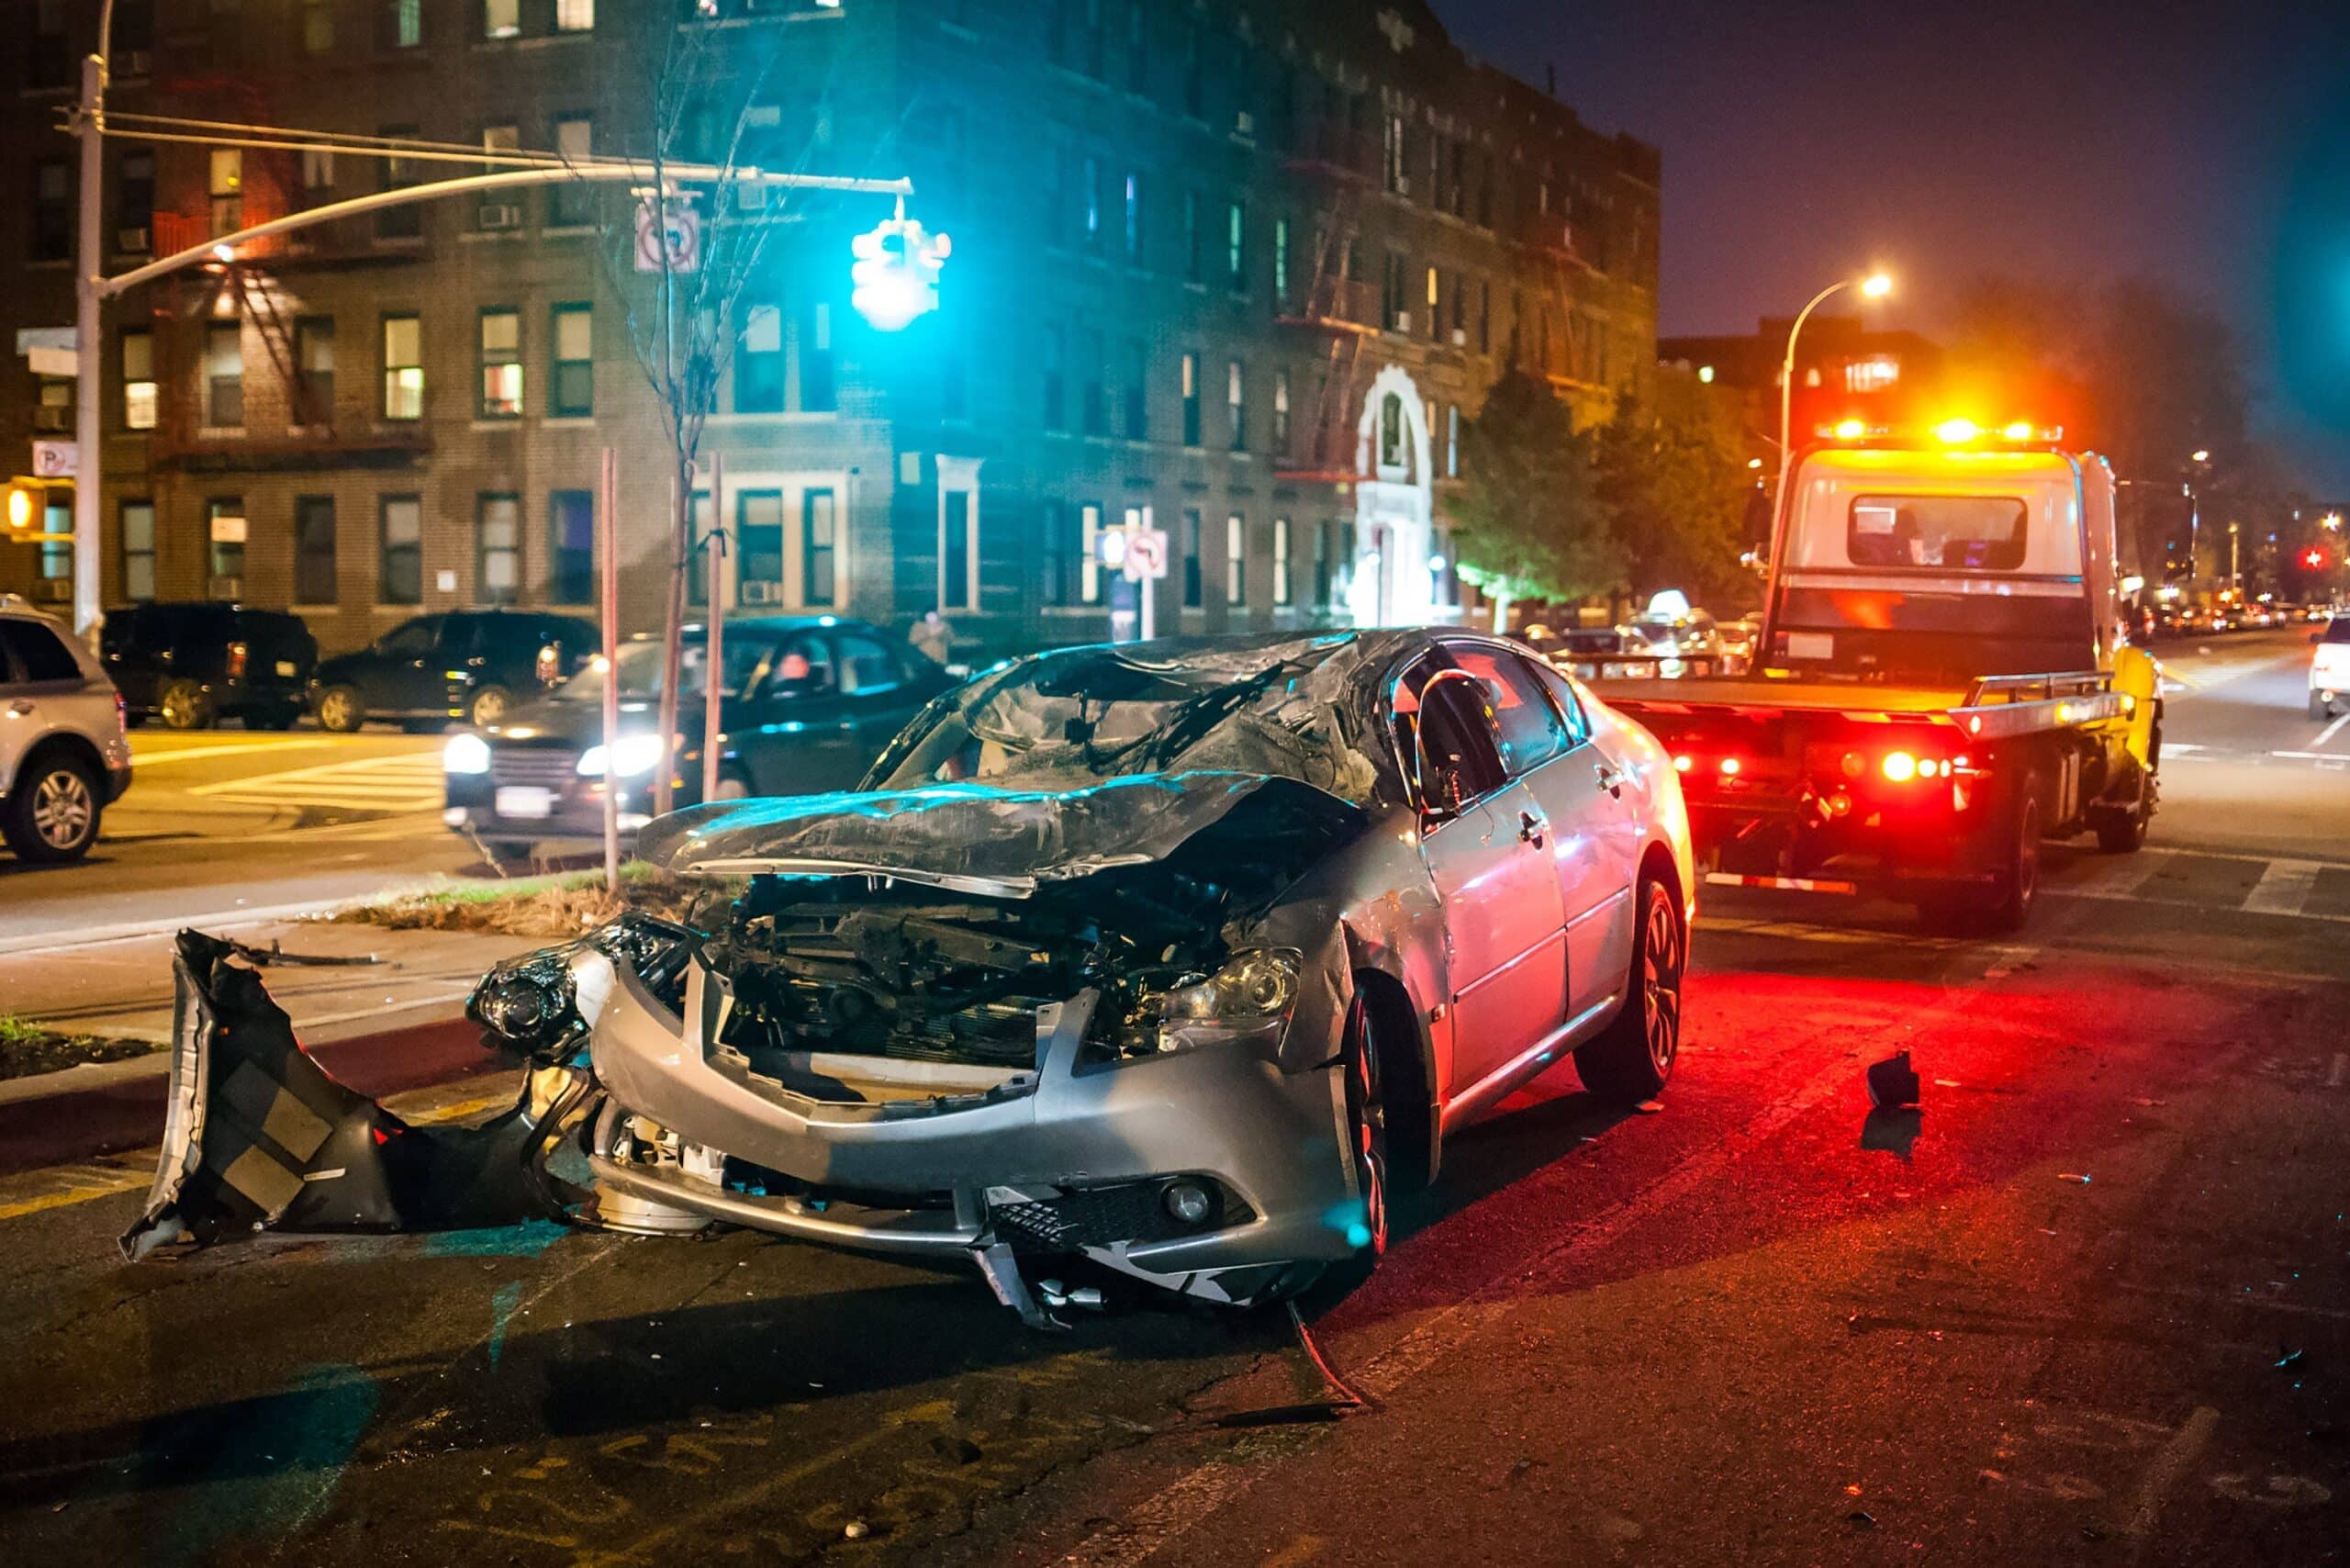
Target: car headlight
[
  {"x": 465, "y": 753},
  {"x": 1246, "y": 1002},
  {"x": 631, "y": 754}
]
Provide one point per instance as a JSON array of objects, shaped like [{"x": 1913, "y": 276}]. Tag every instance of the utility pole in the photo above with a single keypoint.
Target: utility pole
[{"x": 89, "y": 459}]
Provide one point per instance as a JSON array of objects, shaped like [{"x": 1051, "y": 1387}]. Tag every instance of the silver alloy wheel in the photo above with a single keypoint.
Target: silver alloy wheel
[
  {"x": 1367, "y": 1123},
  {"x": 182, "y": 707},
  {"x": 63, "y": 810},
  {"x": 489, "y": 705},
  {"x": 1661, "y": 970},
  {"x": 335, "y": 711}
]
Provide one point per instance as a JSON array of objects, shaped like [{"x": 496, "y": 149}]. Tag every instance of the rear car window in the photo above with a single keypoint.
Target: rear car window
[
  {"x": 1970, "y": 533},
  {"x": 2338, "y": 629},
  {"x": 35, "y": 653},
  {"x": 867, "y": 666}
]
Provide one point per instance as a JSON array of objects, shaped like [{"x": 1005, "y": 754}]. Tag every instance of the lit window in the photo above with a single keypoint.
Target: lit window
[
  {"x": 575, "y": 16},
  {"x": 501, "y": 364},
  {"x": 139, "y": 380},
  {"x": 501, "y": 18},
  {"x": 572, "y": 394},
  {"x": 1282, "y": 594},
  {"x": 227, "y": 179},
  {"x": 1872, "y": 375},
  {"x": 403, "y": 368},
  {"x": 1235, "y": 559}
]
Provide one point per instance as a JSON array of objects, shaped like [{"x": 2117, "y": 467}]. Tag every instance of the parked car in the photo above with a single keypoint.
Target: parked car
[
  {"x": 194, "y": 664},
  {"x": 465, "y": 664},
  {"x": 808, "y": 702},
  {"x": 1688, "y": 638},
  {"x": 1171, "y": 960},
  {"x": 63, "y": 753}
]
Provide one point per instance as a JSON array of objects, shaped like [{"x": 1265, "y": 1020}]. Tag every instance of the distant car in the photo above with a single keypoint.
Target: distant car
[
  {"x": 63, "y": 756},
  {"x": 470, "y": 665},
  {"x": 2330, "y": 667},
  {"x": 809, "y": 702},
  {"x": 192, "y": 665},
  {"x": 1738, "y": 640},
  {"x": 1690, "y": 636}
]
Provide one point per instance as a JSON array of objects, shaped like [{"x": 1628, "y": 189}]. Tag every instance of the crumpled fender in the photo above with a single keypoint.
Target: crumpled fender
[{"x": 259, "y": 1136}]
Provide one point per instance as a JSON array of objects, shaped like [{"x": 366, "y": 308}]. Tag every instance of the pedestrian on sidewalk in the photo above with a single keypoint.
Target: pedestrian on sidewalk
[{"x": 932, "y": 636}]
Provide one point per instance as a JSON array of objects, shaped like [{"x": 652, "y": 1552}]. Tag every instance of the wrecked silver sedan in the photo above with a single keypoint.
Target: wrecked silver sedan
[{"x": 1175, "y": 958}]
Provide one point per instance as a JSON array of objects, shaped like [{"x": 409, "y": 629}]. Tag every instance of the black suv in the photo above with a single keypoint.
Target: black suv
[
  {"x": 468, "y": 664},
  {"x": 808, "y": 702},
  {"x": 192, "y": 665}
]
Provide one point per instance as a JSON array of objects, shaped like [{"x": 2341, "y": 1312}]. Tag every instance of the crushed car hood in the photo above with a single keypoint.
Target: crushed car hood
[{"x": 973, "y": 838}]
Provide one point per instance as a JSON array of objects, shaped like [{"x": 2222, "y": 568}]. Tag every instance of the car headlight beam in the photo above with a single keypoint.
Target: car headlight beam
[
  {"x": 465, "y": 753},
  {"x": 631, "y": 755}
]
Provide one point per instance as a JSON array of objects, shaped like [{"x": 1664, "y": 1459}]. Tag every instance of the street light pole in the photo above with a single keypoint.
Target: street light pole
[
  {"x": 89, "y": 464},
  {"x": 1875, "y": 287}
]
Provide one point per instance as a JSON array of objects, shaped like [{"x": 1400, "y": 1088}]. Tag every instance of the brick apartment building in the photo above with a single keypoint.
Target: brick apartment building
[
  {"x": 1240, "y": 267},
  {"x": 1844, "y": 369}
]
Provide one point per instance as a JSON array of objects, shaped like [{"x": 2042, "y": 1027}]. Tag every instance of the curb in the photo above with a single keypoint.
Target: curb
[{"x": 225, "y": 920}]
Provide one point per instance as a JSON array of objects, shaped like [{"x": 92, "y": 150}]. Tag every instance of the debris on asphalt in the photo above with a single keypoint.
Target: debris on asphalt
[
  {"x": 2073, "y": 1176},
  {"x": 2288, "y": 1359},
  {"x": 856, "y": 1529},
  {"x": 1892, "y": 1131},
  {"x": 1892, "y": 1084},
  {"x": 1648, "y": 1107}
]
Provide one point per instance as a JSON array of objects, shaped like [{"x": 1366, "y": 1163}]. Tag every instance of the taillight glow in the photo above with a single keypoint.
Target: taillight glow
[
  {"x": 1899, "y": 767},
  {"x": 236, "y": 661},
  {"x": 1729, "y": 768},
  {"x": 1683, "y": 763}
]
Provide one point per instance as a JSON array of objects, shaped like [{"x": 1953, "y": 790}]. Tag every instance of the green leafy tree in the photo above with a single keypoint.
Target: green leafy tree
[
  {"x": 1676, "y": 490},
  {"x": 1528, "y": 523}
]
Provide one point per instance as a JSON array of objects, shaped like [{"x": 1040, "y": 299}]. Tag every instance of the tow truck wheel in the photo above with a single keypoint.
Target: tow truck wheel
[
  {"x": 2121, "y": 829},
  {"x": 2019, "y": 885}
]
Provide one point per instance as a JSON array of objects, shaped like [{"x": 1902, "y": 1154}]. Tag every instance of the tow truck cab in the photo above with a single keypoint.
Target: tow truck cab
[{"x": 1944, "y": 680}]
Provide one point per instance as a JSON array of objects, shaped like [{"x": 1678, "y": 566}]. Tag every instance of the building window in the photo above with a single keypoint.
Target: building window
[
  {"x": 571, "y": 546},
  {"x": 224, "y": 519},
  {"x": 1060, "y": 553},
  {"x": 1191, "y": 399},
  {"x": 54, "y": 412},
  {"x": 1323, "y": 547},
  {"x": 399, "y": 551},
  {"x": 572, "y": 204},
  {"x": 575, "y": 16},
  {"x": 1094, "y": 409},
  {"x": 1235, "y": 246},
  {"x": 1282, "y": 594},
  {"x": 1398, "y": 181},
  {"x": 1484, "y": 315},
  {"x": 1191, "y": 557},
  {"x": 224, "y": 376},
  {"x": 572, "y": 386},
  {"x": 404, "y": 221},
  {"x": 1452, "y": 442},
  {"x": 1872, "y": 375},
  {"x": 1131, "y": 230},
  {"x": 1436, "y": 298},
  {"x": 758, "y": 368},
  {"x": 1391, "y": 431},
  {"x": 313, "y": 550},
  {"x": 1236, "y": 403},
  {"x": 1281, "y": 262},
  {"x": 403, "y": 367},
  {"x": 1235, "y": 559},
  {"x": 52, "y": 51},
  {"x": 314, "y": 362},
  {"x": 1195, "y": 72},
  {"x": 501, "y": 18},
  {"x": 227, "y": 184},
  {"x": 317, "y": 176},
  {"x": 134, "y": 231},
  {"x": 497, "y": 549},
  {"x": 957, "y": 550},
  {"x": 501, "y": 363},
  {"x": 1396, "y": 302},
  {"x": 1137, "y": 390},
  {"x": 818, "y": 548},
  {"x": 1089, "y": 171},
  {"x": 819, "y": 389},
  {"x": 1056, "y": 378},
  {"x": 138, "y": 379},
  {"x": 1089, "y": 554},
  {"x": 758, "y": 535},
  {"x": 1281, "y": 411},
  {"x": 317, "y": 26},
  {"x": 399, "y": 23},
  {"x": 52, "y": 228},
  {"x": 138, "y": 550}
]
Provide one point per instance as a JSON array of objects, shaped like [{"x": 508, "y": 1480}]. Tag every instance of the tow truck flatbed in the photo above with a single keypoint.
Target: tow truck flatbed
[{"x": 1996, "y": 706}]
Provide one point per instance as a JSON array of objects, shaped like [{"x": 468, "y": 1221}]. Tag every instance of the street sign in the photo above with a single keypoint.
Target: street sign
[
  {"x": 56, "y": 460},
  {"x": 1146, "y": 554},
  {"x": 672, "y": 226}
]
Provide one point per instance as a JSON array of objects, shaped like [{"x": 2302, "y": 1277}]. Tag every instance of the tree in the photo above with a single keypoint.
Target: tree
[
  {"x": 1528, "y": 523},
  {"x": 1675, "y": 490}
]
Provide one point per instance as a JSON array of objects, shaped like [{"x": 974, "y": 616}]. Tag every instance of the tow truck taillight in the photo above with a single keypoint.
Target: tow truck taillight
[{"x": 236, "y": 661}]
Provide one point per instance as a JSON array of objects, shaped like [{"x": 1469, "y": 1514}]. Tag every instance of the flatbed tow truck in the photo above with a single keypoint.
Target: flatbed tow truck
[{"x": 1944, "y": 681}]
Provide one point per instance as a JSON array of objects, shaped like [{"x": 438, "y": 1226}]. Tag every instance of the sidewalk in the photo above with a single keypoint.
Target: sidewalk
[{"x": 394, "y": 1025}]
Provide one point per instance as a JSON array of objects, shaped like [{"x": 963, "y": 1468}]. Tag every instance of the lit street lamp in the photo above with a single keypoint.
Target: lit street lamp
[{"x": 1876, "y": 286}]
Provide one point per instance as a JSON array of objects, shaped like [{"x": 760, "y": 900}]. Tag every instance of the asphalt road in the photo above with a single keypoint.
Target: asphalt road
[
  {"x": 2091, "y": 1303},
  {"x": 219, "y": 821}
]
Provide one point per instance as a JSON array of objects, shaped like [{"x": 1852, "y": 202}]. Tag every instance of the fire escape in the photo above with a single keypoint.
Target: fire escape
[{"x": 1336, "y": 310}]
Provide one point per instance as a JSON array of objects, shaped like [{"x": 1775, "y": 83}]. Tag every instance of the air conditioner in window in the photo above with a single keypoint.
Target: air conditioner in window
[
  {"x": 133, "y": 242},
  {"x": 501, "y": 215},
  {"x": 1403, "y": 321},
  {"x": 762, "y": 593},
  {"x": 226, "y": 587},
  {"x": 53, "y": 590}
]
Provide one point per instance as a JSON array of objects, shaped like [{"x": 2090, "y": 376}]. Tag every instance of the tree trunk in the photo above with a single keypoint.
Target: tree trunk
[
  {"x": 673, "y": 626},
  {"x": 1501, "y": 612}
]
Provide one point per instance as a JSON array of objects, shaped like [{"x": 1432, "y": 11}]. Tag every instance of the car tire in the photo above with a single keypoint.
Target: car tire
[
  {"x": 1631, "y": 1060},
  {"x": 2320, "y": 708},
  {"x": 341, "y": 709},
  {"x": 276, "y": 716},
  {"x": 54, "y": 813},
  {"x": 183, "y": 705},
  {"x": 1359, "y": 1060},
  {"x": 2018, "y": 889},
  {"x": 488, "y": 706}
]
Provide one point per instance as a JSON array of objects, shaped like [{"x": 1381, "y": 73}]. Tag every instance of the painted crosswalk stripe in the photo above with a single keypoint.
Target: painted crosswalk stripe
[
  {"x": 2283, "y": 888},
  {"x": 408, "y": 782}
]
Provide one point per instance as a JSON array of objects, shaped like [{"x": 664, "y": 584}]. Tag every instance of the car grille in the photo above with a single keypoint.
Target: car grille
[
  {"x": 554, "y": 767},
  {"x": 1097, "y": 1216}
]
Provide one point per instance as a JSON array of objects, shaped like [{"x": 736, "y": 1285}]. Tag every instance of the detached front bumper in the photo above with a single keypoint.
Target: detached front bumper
[{"x": 1072, "y": 1158}]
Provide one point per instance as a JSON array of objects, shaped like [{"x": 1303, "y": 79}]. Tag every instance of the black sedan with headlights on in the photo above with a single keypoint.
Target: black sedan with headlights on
[{"x": 808, "y": 702}]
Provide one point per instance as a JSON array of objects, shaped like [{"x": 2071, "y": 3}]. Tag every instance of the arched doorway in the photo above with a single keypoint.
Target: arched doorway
[{"x": 1394, "y": 506}]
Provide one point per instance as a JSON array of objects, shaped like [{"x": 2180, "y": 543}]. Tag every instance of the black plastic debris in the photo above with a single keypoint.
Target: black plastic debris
[
  {"x": 1892, "y": 1084},
  {"x": 1861, "y": 1517}
]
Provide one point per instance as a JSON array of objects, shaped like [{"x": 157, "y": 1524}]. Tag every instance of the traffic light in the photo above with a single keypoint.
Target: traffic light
[
  {"x": 25, "y": 504},
  {"x": 895, "y": 276},
  {"x": 2313, "y": 558}
]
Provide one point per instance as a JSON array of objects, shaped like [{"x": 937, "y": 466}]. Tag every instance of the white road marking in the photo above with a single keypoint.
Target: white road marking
[
  {"x": 141, "y": 756},
  {"x": 2185, "y": 1446},
  {"x": 2283, "y": 888},
  {"x": 2331, "y": 730},
  {"x": 410, "y": 781}
]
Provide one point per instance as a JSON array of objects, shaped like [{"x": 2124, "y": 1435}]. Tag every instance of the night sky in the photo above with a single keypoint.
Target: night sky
[{"x": 2204, "y": 143}]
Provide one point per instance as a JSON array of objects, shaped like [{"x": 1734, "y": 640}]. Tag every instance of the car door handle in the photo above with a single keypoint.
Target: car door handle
[
  {"x": 1610, "y": 779},
  {"x": 22, "y": 706},
  {"x": 1529, "y": 828}
]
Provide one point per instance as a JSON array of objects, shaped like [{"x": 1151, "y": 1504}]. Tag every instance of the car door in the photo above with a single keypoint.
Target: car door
[
  {"x": 880, "y": 690},
  {"x": 1487, "y": 846},
  {"x": 405, "y": 673},
  {"x": 1604, "y": 797}
]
